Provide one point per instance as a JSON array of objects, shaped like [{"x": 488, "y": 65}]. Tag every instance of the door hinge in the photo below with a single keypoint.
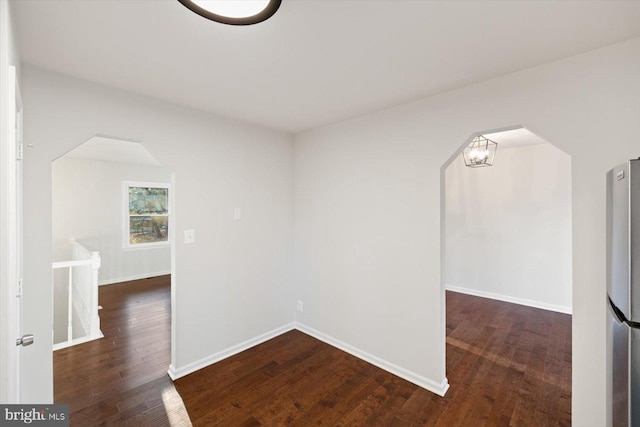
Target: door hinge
[
  {"x": 20, "y": 150},
  {"x": 19, "y": 288}
]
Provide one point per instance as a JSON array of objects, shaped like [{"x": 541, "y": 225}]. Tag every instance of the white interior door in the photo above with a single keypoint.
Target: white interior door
[
  {"x": 25, "y": 340},
  {"x": 12, "y": 230}
]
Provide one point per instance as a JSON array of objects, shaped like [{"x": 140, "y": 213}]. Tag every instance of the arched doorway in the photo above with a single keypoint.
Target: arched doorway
[{"x": 507, "y": 273}]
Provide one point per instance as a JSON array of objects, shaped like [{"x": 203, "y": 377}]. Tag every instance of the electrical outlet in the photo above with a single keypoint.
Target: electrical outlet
[{"x": 299, "y": 305}]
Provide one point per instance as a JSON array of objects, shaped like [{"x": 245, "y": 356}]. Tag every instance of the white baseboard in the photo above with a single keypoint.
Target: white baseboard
[
  {"x": 437, "y": 388},
  {"x": 419, "y": 380},
  {"x": 65, "y": 344},
  {"x": 507, "y": 298},
  {"x": 133, "y": 277},
  {"x": 175, "y": 373}
]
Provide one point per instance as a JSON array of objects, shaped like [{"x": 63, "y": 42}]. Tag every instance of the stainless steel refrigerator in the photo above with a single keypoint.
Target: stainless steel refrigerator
[{"x": 623, "y": 289}]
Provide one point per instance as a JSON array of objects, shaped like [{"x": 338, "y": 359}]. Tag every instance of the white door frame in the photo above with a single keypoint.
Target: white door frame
[{"x": 10, "y": 237}]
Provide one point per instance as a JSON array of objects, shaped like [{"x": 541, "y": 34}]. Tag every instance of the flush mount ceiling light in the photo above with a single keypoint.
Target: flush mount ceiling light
[
  {"x": 234, "y": 12},
  {"x": 480, "y": 152}
]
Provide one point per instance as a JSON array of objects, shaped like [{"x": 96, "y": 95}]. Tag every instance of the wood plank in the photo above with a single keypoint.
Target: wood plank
[{"x": 506, "y": 364}]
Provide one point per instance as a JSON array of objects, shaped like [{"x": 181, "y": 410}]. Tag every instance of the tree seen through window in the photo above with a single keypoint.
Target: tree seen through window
[{"x": 148, "y": 214}]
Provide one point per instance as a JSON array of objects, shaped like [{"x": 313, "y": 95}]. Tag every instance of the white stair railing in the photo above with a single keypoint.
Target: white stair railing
[{"x": 82, "y": 294}]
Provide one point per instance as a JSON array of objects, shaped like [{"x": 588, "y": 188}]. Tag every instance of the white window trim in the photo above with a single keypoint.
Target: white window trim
[{"x": 125, "y": 215}]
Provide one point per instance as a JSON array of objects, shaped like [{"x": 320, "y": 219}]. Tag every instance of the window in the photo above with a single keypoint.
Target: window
[{"x": 146, "y": 221}]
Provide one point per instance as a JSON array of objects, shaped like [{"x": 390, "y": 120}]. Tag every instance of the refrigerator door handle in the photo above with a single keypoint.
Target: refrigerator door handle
[
  {"x": 617, "y": 312},
  {"x": 620, "y": 317}
]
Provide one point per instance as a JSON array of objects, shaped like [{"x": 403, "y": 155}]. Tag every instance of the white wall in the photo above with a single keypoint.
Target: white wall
[
  {"x": 368, "y": 209},
  {"x": 88, "y": 205},
  {"x": 9, "y": 56},
  {"x": 234, "y": 282},
  {"x": 508, "y": 227}
]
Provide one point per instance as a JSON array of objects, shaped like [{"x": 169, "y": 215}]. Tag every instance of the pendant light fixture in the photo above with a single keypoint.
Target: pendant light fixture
[
  {"x": 480, "y": 152},
  {"x": 234, "y": 12}
]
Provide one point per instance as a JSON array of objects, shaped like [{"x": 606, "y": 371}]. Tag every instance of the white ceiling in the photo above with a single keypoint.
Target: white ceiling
[
  {"x": 315, "y": 61},
  {"x": 515, "y": 138},
  {"x": 109, "y": 149}
]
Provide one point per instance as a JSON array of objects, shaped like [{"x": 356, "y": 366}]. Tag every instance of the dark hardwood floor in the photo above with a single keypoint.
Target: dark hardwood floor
[
  {"x": 507, "y": 365},
  {"x": 122, "y": 379}
]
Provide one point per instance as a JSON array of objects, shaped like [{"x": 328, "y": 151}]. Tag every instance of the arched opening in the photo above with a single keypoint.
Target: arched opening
[
  {"x": 113, "y": 241},
  {"x": 506, "y": 272}
]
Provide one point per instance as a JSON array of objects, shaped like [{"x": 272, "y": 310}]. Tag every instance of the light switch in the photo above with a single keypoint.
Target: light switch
[
  {"x": 237, "y": 213},
  {"x": 189, "y": 236}
]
